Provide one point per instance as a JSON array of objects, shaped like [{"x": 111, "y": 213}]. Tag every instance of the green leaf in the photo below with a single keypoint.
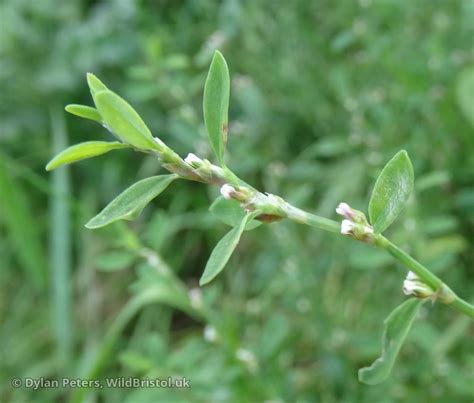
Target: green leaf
[
  {"x": 82, "y": 151},
  {"x": 223, "y": 250},
  {"x": 216, "y": 104},
  {"x": 397, "y": 326},
  {"x": 230, "y": 213},
  {"x": 123, "y": 121},
  {"x": 465, "y": 93},
  {"x": 130, "y": 203},
  {"x": 391, "y": 191},
  {"x": 85, "y": 112},
  {"x": 95, "y": 85}
]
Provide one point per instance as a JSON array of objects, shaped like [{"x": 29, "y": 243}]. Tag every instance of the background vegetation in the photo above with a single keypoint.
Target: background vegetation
[{"x": 323, "y": 94}]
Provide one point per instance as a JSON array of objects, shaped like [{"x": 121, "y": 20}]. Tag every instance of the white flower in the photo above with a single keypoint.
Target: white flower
[
  {"x": 347, "y": 227},
  {"x": 227, "y": 191},
  {"x": 192, "y": 159},
  {"x": 344, "y": 210},
  {"x": 412, "y": 285},
  {"x": 355, "y": 223}
]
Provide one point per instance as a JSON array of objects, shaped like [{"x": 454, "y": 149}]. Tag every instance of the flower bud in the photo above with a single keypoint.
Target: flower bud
[
  {"x": 343, "y": 209},
  {"x": 346, "y": 211},
  {"x": 193, "y": 160},
  {"x": 346, "y": 227},
  {"x": 241, "y": 193},
  {"x": 227, "y": 191},
  {"x": 412, "y": 285}
]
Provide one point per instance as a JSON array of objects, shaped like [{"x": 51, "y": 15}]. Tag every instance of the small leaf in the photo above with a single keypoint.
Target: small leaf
[
  {"x": 223, "y": 250},
  {"x": 397, "y": 326},
  {"x": 216, "y": 104},
  {"x": 123, "y": 121},
  {"x": 82, "y": 151},
  {"x": 130, "y": 203},
  {"x": 230, "y": 213},
  {"x": 95, "y": 85},
  {"x": 85, "y": 112},
  {"x": 391, "y": 191}
]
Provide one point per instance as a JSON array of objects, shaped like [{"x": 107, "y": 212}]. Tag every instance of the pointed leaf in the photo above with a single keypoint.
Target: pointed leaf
[
  {"x": 230, "y": 213},
  {"x": 85, "y": 112},
  {"x": 397, "y": 325},
  {"x": 130, "y": 203},
  {"x": 82, "y": 151},
  {"x": 223, "y": 250},
  {"x": 123, "y": 121},
  {"x": 95, "y": 85},
  {"x": 391, "y": 191},
  {"x": 216, "y": 104}
]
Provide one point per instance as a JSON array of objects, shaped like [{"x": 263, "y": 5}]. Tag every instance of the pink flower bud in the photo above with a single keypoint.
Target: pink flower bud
[
  {"x": 345, "y": 210},
  {"x": 227, "y": 191}
]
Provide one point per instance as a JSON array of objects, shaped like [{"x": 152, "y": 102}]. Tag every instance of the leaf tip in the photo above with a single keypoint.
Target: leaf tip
[
  {"x": 203, "y": 281},
  {"x": 94, "y": 83},
  {"x": 218, "y": 54},
  {"x": 361, "y": 376},
  {"x": 91, "y": 225}
]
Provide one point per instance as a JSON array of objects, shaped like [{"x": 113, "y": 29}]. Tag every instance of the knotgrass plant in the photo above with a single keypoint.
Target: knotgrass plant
[{"x": 244, "y": 208}]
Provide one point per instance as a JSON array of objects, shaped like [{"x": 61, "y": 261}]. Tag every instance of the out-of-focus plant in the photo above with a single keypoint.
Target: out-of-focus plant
[{"x": 243, "y": 207}]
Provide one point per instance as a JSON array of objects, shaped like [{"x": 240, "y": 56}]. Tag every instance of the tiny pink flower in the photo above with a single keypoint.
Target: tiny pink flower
[
  {"x": 344, "y": 210},
  {"x": 227, "y": 191}
]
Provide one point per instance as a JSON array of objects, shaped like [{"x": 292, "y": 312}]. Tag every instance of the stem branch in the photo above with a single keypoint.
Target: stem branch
[{"x": 216, "y": 175}]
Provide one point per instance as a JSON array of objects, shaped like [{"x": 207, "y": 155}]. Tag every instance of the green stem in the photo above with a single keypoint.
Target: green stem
[
  {"x": 281, "y": 208},
  {"x": 427, "y": 277},
  {"x": 302, "y": 217},
  {"x": 463, "y": 306},
  {"x": 444, "y": 293},
  {"x": 421, "y": 271}
]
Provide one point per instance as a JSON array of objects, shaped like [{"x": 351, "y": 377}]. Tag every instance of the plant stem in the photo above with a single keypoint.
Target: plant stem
[
  {"x": 421, "y": 271},
  {"x": 427, "y": 277},
  {"x": 303, "y": 217},
  {"x": 282, "y": 209},
  {"x": 463, "y": 306},
  {"x": 443, "y": 292}
]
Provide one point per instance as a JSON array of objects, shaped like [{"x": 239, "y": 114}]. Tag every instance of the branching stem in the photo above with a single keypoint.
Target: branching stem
[{"x": 212, "y": 174}]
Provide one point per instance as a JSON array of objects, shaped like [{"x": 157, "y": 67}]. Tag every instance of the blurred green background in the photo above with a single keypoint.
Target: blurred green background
[{"x": 323, "y": 93}]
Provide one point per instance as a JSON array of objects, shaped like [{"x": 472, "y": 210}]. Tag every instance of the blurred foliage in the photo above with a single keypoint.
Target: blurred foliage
[{"x": 322, "y": 95}]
